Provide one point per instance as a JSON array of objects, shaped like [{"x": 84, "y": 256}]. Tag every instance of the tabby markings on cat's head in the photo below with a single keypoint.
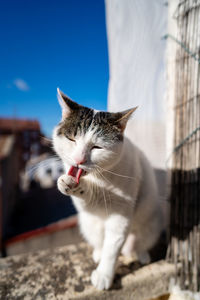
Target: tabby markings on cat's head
[{"x": 94, "y": 138}]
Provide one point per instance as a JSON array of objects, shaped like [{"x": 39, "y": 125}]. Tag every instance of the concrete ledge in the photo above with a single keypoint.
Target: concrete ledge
[{"x": 64, "y": 274}]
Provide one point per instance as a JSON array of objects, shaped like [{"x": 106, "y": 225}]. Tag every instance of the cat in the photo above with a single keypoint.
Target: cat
[{"x": 112, "y": 185}]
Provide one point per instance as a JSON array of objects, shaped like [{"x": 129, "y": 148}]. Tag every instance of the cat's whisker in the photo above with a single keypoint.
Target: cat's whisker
[
  {"x": 31, "y": 170},
  {"x": 101, "y": 175},
  {"x": 108, "y": 181},
  {"x": 90, "y": 198},
  {"x": 92, "y": 195},
  {"x": 97, "y": 191},
  {"x": 104, "y": 196},
  {"x": 42, "y": 163},
  {"x": 47, "y": 159},
  {"x": 120, "y": 175},
  {"x": 54, "y": 156},
  {"x": 46, "y": 139},
  {"x": 116, "y": 200}
]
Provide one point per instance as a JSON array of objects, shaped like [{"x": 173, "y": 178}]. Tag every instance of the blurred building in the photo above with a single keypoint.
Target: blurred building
[
  {"x": 42, "y": 170},
  {"x": 8, "y": 179},
  {"x": 29, "y": 198},
  {"x": 27, "y": 136},
  {"x": 19, "y": 141}
]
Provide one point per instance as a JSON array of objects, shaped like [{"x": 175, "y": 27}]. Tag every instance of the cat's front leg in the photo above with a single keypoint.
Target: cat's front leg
[
  {"x": 116, "y": 229},
  {"x": 67, "y": 185}
]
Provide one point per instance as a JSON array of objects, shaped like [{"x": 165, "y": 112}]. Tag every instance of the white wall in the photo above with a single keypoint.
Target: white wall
[{"x": 137, "y": 70}]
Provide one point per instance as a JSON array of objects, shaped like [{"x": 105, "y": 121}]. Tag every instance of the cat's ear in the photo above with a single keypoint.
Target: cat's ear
[
  {"x": 67, "y": 105},
  {"x": 124, "y": 117}
]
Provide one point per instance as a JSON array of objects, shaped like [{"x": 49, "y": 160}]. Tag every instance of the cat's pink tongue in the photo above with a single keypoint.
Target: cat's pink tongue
[{"x": 76, "y": 173}]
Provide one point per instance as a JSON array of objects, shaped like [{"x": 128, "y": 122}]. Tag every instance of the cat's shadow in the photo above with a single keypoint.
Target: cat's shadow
[
  {"x": 158, "y": 252},
  {"x": 124, "y": 270}
]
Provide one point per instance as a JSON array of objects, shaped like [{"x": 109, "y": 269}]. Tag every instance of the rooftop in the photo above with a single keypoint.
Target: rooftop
[{"x": 16, "y": 125}]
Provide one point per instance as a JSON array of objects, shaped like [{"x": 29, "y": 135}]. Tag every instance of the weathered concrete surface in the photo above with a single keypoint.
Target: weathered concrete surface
[{"x": 64, "y": 274}]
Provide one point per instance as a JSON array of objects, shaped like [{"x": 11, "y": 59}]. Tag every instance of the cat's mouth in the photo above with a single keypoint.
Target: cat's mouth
[{"x": 76, "y": 173}]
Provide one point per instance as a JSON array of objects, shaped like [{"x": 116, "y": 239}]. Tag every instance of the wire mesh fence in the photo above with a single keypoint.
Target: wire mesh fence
[{"x": 184, "y": 248}]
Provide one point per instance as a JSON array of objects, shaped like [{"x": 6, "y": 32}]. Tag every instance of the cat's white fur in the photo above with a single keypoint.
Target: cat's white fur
[{"x": 118, "y": 205}]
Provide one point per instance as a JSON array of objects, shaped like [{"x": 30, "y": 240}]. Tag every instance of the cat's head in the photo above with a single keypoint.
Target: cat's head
[{"x": 87, "y": 138}]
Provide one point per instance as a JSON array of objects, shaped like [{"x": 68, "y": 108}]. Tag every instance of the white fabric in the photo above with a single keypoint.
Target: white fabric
[{"x": 137, "y": 70}]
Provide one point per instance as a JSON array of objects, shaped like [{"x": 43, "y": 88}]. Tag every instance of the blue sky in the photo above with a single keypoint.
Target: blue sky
[{"x": 50, "y": 44}]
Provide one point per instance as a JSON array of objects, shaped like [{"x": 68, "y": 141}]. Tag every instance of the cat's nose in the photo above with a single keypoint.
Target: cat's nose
[{"x": 81, "y": 161}]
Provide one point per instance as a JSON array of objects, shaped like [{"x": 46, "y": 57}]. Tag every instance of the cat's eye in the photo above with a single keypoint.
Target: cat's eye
[
  {"x": 70, "y": 139},
  {"x": 96, "y": 147}
]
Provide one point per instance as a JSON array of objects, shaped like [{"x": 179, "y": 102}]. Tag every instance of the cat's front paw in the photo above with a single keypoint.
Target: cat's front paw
[
  {"x": 66, "y": 184},
  {"x": 100, "y": 280}
]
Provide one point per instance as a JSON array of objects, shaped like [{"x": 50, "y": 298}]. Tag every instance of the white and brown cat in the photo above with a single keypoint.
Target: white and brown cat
[{"x": 111, "y": 183}]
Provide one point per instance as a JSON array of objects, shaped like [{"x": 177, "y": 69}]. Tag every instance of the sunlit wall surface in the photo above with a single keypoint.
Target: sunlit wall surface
[{"x": 137, "y": 70}]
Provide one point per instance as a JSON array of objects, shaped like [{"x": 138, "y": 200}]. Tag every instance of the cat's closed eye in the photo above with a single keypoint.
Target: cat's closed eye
[
  {"x": 71, "y": 139},
  {"x": 96, "y": 147}
]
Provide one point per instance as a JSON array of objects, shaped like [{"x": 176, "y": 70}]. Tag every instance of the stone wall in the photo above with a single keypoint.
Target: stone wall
[{"x": 64, "y": 273}]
